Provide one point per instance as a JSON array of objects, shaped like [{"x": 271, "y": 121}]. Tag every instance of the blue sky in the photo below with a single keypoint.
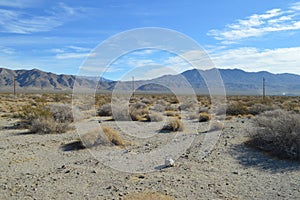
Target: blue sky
[{"x": 58, "y": 36}]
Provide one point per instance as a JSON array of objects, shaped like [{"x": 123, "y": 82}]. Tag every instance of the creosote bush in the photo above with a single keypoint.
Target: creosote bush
[
  {"x": 256, "y": 109},
  {"x": 44, "y": 119},
  {"x": 277, "y": 132},
  {"x": 236, "y": 108}
]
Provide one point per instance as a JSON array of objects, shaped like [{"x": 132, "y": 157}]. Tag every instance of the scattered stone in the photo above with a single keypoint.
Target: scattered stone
[
  {"x": 169, "y": 162},
  {"x": 141, "y": 176}
]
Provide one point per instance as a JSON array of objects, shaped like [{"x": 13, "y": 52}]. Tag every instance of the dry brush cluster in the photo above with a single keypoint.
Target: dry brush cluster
[
  {"x": 44, "y": 119},
  {"x": 277, "y": 132}
]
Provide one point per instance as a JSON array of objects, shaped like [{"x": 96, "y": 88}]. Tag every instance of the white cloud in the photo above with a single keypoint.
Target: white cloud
[
  {"x": 280, "y": 60},
  {"x": 256, "y": 25},
  {"x": 73, "y": 55},
  {"x": 17, "y": 21},
  {"x": 79, "y": 49}
]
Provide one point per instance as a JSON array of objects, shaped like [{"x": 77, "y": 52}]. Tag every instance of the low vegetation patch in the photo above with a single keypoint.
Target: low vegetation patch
[
  {"x": 204, "y": 117},
  {"x": 174, "y": 125},
  {"x": 215, "y": 126},
  {"x": 113, "y": 136},
  {"x": 95, "y": 138},
  {"x": 236, "y": 109},
  {"x": 44, "y": 119},
  {"x": 277, "y": 132}
]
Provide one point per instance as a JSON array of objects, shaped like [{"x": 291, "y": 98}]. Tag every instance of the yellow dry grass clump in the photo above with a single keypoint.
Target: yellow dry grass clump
[{"x": 113, "y": 136}]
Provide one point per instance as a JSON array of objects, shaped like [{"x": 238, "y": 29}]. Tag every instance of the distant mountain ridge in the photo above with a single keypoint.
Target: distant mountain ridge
[
  {"x": 236, "y": 81},
  {"x": 37, "y": 80}
]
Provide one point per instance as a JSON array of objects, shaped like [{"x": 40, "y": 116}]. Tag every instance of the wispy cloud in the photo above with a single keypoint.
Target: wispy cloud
[
  {"x": 7, "y": 50},
  {"x": 73, "y": 55},
  {"x": 18, "y": 3},
  {"x": 72, "y": 52},
  {"x": 280, "y": 60},
  {"x": 22, "y": 22},
  {"x": 274, "y": 20}
]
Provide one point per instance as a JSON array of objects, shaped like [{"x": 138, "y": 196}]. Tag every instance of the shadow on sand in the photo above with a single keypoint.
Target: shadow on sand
[
  {"x": 73, "y": 146},
  {"x": 250, "y": 157}
]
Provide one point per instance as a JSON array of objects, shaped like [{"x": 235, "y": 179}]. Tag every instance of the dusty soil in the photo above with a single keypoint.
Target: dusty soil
[{"x": 38, "y": 167}]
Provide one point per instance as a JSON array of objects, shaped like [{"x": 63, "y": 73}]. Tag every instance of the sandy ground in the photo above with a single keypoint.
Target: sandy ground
[{"x": 37, "y": 167}]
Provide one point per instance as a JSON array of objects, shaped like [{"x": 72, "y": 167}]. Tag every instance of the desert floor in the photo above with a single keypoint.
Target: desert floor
[{"x": 37, "y": 166}]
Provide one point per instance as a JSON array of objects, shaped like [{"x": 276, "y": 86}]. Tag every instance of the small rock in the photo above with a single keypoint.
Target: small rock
[
  {"x": 169, "y": 162},
  {"x": 141, "y": 176},
  {"x": 109, "y": 187},
  {"x": 236, "y": 172}
]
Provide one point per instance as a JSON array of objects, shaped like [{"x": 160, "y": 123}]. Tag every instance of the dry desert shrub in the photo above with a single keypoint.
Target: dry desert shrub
[
  {"x": 220, "y": 109},
  {"x": 44, "y": 125},
  {"x": 44, "y": 119},
  {"x": 121, "y": 113},
  {"x": 135, "y": 112},
  {"x": 189, "y": 105},
  {"x": 171, "y": 107},
  {"x": 171, "y": 113},
  {"x": 193, "y": 116},
  {"x": 94, "y": 138},
  {"x": 155, "y": 117},
  {"x": 256, "y": 109},
  {"x": 204, "y": 117},
  {"x": 139, "y": 114},
  {"x": 162, "y": 102},
  {"x": 215, "y": 126},
  {"x": 236, "y": 108},
  {"x": 61, "y": 112},
  {"x": 277, "y": 132},
  {"x": 147, "y": 101},
  {"x": 113, "y": 136},
  {"x": 158, "y": 108},
  {"x": 174, "y": 125},
  {"x": 104, "y": 110}
]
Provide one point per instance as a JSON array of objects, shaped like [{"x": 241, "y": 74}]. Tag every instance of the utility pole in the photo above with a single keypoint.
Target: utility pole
[
  {"x": 133, "y": 86},
  {"x": 14, "y": 85},
  {"x": 264, "y": 87}
]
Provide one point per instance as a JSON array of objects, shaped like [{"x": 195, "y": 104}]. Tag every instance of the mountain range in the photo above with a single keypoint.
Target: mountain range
[{"x": 236, "y": 82}]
